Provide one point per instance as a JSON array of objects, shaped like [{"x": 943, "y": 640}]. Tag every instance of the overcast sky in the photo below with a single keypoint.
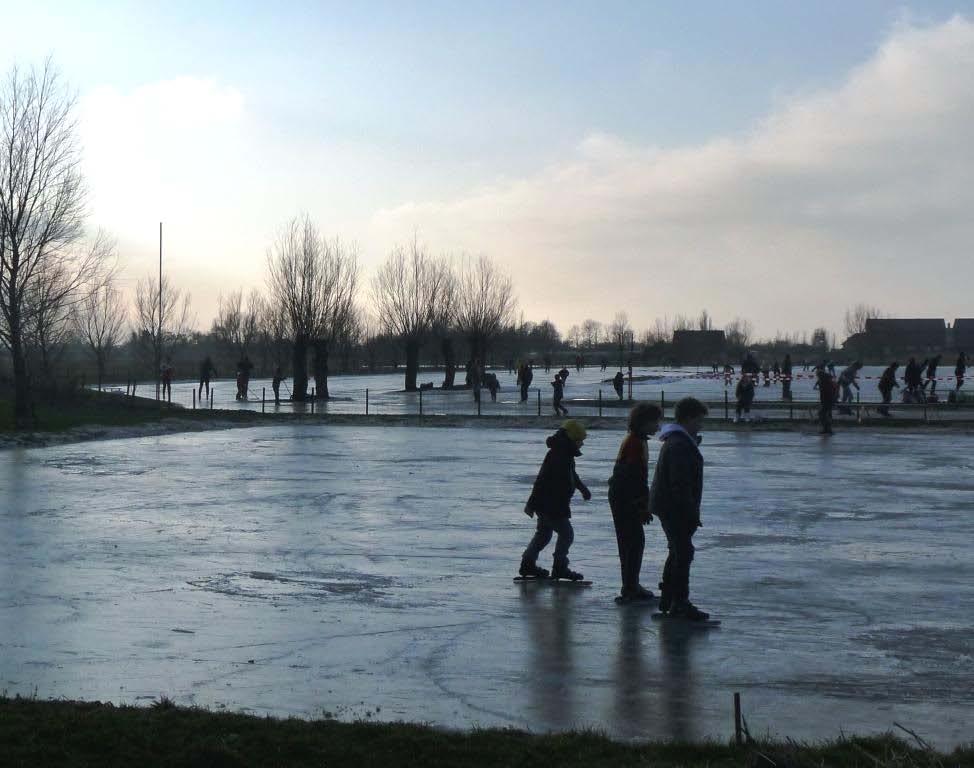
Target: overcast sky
[{"x": 780, "y": 161}]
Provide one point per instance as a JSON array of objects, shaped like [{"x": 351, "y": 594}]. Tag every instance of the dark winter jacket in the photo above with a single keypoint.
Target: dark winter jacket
[
  {"x": 826, "y": 389},
  {"x": 557, "y": 479},
  {"x": 674, "y": 496},
  {"x": 629, "y": 484}
]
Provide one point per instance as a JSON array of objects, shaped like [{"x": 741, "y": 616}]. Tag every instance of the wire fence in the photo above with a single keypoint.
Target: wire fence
[{"x": 584, "y": 401}]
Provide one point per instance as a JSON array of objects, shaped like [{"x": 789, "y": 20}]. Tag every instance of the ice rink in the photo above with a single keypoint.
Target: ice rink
[{"x": 365, "y": 572}]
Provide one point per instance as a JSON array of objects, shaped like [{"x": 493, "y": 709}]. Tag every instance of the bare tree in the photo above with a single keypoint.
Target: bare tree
[
  {"x": 237, "y": 324},
  {"x": 408, "y": 295},
  {"x": 621, "y": 333},
  {"x": 99, "y": 321},
  {"x": 856, "y": 317},
  {"x": 575, "y": 337},
  {"x": 485, "y": 303},
  {"x": 739, "y": 332},
  {"x": 156, "y": 337},
  {"x": 312, "y": 283},
  {"x": 705, "y": 322},
  {"x": 41, "y": 210},
  {"x": 591, "y": 332},
  {"x": 683, "y": 323}
]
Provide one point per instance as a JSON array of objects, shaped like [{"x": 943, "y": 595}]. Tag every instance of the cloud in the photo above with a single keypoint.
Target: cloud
[{"x": 858, "y": 193}]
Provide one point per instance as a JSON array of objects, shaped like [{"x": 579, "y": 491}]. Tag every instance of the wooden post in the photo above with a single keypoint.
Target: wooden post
[
  {"x": 313, "y": 396},
  {"x": 726, "y": 407},
  {"x": 420, "y": 403},
  {"x": 263, "y": 399},
  {"x": 479, "y": 395},
  {"x": 858, "y": 408},
  {"x": 212, "y": 392},
  {"x": 662, "y": 401},
  {"x": 539, "y": 401},
  {"x": 738, "y": 731},
  {"x": 366, "y": 402},
  {"x": 194, "y": 398},
  {"x": 600, "y": 403}
]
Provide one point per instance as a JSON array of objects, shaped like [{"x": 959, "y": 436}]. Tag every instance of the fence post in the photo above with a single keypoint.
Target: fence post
[
  {"x": 194, "y": 398},
  {"x": 662, "y": 401},
  {"x": 858, "y": 409},
  {"x": 726, "y": 407},
  {"x": 924, "y": 408},
  {"x": 366, "y": 402},
  {"x": 420, "y": 402},
  {"x": 539, "y": 401},
  {"x": 479, "y": 393},
  {"x": 313, "y": 396},
  {"x": 212, "y": 392},
  {"x": 738, "y": 730},
  {"x": 600, "y": 403},
  {"x": 791, "y": 410},
  {"x": 263, "y": 398}
]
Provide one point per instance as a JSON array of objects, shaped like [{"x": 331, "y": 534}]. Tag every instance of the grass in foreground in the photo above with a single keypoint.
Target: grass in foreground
[{"x": 55, "y": 733}]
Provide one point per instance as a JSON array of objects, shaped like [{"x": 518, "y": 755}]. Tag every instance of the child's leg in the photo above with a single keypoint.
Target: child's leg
[
  {"x": 566, "y": 535},
  {"x": 542, "y": 535}
]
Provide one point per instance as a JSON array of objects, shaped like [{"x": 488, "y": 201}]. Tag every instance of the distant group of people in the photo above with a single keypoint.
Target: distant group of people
[{"x": 673, "y": 497}]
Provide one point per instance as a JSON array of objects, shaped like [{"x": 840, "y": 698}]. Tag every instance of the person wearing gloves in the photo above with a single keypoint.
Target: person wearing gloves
[
  {"x": 550, "y": 502},
  {"x": 674, "y": 498}
]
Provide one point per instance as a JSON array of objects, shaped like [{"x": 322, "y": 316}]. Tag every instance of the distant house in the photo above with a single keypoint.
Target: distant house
[
  {"x": 699, "y": 346},
  {"x": 963, "y": 334},
  {"x": 890, "y": 335}
]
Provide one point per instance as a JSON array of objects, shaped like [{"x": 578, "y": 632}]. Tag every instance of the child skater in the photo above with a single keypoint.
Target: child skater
[
  {"x": 629, "y": 499},
  {"x": 551, "y": 498}
]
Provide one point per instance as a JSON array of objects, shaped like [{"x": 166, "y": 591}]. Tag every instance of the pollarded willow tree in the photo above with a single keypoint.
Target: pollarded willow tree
[
  {"x": 411, "y": 293},
  {"x": 41, "y": 214},
  {"x": 484, "y": 303},
  {"x": 312, "y": 283}
]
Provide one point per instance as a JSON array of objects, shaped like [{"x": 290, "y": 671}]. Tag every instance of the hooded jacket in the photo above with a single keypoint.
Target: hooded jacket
[
  {"x": 677, "y": 488},
  {"x": 629, "y": 484},
  {"x": 557, "y": 480}
]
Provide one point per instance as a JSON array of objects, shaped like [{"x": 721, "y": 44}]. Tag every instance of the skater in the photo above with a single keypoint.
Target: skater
[
  {"x": 559, "y": 386},
  {"x": 886, "y": 383},
  {"x": 674, "y": 498},
  {"x": 766, "y": 373},
  {"x": 826, "y": 399},
  {"x": 547, "y": 363},
  {"x": 913, "y": 379},
  {"x": 166, "y": 376},
  {"x": 276, "y": 384},
  {"x": 490, "y": 379},
  {"x": 847, "y": 380},
  {"x": 728, "y": 374},
  {"x": 776, "y": 371},
  {"x": 786, "y": 378},
  {"x": 932, "y": 377},
  {"x": 527, "y": 376},
  {"x": 244, "y": 367},
  {"x": 550, "y": 500},
  {"x": 618, "y": 381},
  {"x": 206, "y": 370},
  {"x": 959, "y": 370},
  {"x": 629, "y": 498},
  {"x": 605, "y": 363},
  {"x": 563, "y": 375},
  {"x": 745, "y": 396}
]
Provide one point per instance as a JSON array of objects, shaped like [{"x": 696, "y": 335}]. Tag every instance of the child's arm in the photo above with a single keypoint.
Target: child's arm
[{"x": 586, "y": 493}]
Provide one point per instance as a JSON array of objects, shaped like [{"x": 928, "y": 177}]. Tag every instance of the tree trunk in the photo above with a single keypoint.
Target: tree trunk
[
  {"x": 412, "y": 364},
  {"x": 22, "y": 418},
  {"x": 450, "y": 363},
  {"x": 299, "y": 361},
  {"x": 100, "y": 362},
  {"x": 321, "y": 369}
]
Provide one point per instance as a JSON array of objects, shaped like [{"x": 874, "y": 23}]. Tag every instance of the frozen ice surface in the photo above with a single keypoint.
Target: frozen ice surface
[{"x": 366, "y": 572}]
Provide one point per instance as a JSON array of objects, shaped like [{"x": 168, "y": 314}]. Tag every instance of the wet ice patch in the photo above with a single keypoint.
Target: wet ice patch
[{"x": 266, "y": 585}]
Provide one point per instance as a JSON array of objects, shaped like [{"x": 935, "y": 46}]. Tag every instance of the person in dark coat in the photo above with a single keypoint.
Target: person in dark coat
[
  {"x": 207, "y": 369},
  {"x": 959, "y": 370},
  {"x": 276, "y": 384},
  {"x": 674, "y": 499},
  {"x": 618, "y": 383},
  {"x": 629, "y": 498},
  {"x": 932, "y": 375},
  {"x": 559, "y": 386},
  {"x": 527, "y": 376},
  {"x": 886, "y": 384},
  {"x": 826, "y": 399},
  {"x": 786, "y": 378},
  {"x": 847, "y": 380},
  {"x": 244, "y": 367},
  {"x": 550, "y": 501},
  {"x": 745, "y": 396}
]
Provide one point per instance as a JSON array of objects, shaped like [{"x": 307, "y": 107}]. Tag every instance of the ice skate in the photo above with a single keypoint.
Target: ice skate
[
  {"x": 532, "y": 571},
  {"x": 566, "y": 574}
]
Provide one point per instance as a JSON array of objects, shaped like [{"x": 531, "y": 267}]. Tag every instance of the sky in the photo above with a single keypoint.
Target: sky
[{"x": 778, "y": 161}]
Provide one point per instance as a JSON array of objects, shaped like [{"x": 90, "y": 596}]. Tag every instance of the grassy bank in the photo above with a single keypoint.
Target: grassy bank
[{"x": 56, "y": 733}]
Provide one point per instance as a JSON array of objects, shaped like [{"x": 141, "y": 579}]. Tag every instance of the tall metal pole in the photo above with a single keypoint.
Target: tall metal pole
[{"x": 159, "y": 342}]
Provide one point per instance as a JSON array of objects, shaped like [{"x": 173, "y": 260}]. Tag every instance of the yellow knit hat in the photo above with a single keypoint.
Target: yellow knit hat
[{"x": 574, "y": 429}]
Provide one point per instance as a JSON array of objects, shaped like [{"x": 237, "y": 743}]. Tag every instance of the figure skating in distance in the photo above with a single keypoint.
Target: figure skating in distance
[
  {"x": 629, "y": 499},
  {"x": 674, "y": 499},
  {"x": 550, "y": 503}
]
